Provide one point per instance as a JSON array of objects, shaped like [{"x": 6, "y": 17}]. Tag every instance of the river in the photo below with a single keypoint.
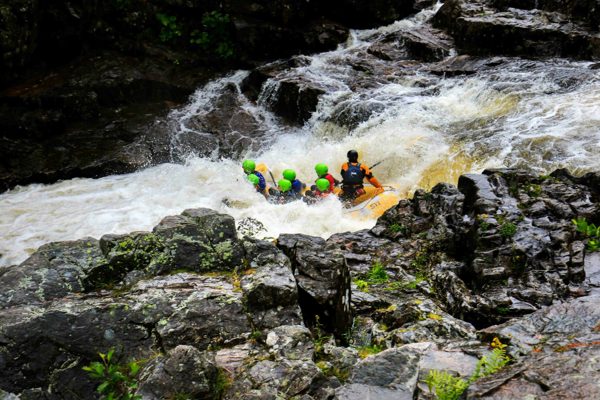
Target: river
[{"x": 539, "y": 115}]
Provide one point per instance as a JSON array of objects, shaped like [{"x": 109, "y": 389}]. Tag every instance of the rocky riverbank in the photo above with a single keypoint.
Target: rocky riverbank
[{"x": 213, "y": 315}]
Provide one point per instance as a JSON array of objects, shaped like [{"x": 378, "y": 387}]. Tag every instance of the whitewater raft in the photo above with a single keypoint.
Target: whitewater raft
[{"x": 370, "y": 205}]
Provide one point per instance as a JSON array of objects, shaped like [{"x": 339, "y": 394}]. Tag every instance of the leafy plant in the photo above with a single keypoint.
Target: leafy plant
[
  {"x": 215, "y": 35},
  {"x": 490, "y": 364},
  {"x": 377, "y": 274},
  {"x": 170, "y": 28},
  {"x": 448, "y": 387},
  {"x": 395, "y": 228},
  {"x": 117, "y": 381},
  {"x": 591, "y": 231},
  {"x": 508, "y": 229},
  {"x": 444, "y": 385}
]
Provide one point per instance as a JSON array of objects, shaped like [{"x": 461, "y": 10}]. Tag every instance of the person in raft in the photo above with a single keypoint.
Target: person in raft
[
  {"x": 353, "y": 173},
  {"x": 255, "y": 181},
  {"x": 323, "y": 173},
  {"x": 284, "y": 193},
  {"x": 249, "y": 167},
  {"x": 321, "y": 190},
  {"x": 290, "y": 175}
]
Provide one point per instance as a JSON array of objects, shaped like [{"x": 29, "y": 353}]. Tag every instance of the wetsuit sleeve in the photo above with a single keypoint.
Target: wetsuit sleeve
[
  {"x": 375, "y": 182},
  {"x": 343, "y": 170},
  {"x": 262, "y": 183},
  {"x": 369, "y": 175}
]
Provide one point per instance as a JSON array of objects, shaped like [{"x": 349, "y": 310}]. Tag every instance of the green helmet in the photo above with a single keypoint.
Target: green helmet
[
  {"x": 249, "y": 166},
  {"x": 284, "y": 185},
  {"x": 323, "y": 185},
  {"x": 253, "y": 179},
  {"x": 289, "y": 174},
  {"x": 321, "y": 169}
]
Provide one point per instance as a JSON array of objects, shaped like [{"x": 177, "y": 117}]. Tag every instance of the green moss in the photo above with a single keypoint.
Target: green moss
[
  {"x": 534, "y": 190},
  {"x": 365, "y": 351},
  {"x": 222, "y": 383},
  {"x": 508, "y": 229}
]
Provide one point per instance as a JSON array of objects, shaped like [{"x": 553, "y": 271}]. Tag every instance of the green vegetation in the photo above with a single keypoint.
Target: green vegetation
[
  {"x": 170, "y": 28},
  {"x": 534, "y": 190},
  {"x": 508, "y": 229},
  {"x": 362, "y": 285},
  {"x": 332, "y": 370},
  {"x": 117, "y": 382},
  {"x": 365, "y": 351},
  {"x": 377, "y": 274},
  {"x": 449, "y": 387},
  {"x": 222, "y": 383},
  {"x": 395, "y": 228},
  {"x": 444, "y": 385},
  {"x": 590, "y": 231},
  {"x": 215, "y": 36}
]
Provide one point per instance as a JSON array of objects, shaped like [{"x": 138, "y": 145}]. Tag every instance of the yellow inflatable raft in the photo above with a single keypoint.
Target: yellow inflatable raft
[{"x": 370, "y": 205}]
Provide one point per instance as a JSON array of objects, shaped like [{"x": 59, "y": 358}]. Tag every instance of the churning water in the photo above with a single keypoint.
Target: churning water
[{"x": 538, "y": 115}]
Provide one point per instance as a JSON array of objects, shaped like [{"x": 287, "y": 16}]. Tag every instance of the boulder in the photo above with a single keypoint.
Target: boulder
[
  {"x": 323, "y": 282},
  {"x": 184, "y": 371},
  {"x": 424, "y": 43},
  {"x": 52, "y": 272},
  {"x": 270, "y": 292}
]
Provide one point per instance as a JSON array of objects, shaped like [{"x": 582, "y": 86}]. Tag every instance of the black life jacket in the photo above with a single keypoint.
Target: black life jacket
[{"x": 354, "y": 175}]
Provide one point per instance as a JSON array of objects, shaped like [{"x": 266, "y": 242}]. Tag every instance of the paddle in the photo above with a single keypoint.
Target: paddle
[
  {"x": 377, "y": 163},
  {"x": 272, "y": 178}
]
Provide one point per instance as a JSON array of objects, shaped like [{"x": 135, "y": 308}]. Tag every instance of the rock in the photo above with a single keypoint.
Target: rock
[
  {"x": 291, "y": 342},
  {"x": 294, "y": 99},
  {"x": 269, "y": 379},
  {"x": 424, "y": 43},
  {"x": 270, "y": 293},
  {"x": 200, "y": 240},
  {"x": 183, "y": 371},
  {"x": 323, "y": 282},
  {"x": 464, "y": 65},
  {"x": 395, "y": 373},
  {"x": 552, "y": 327},
  {"x": 556, "y": 349},
  {"x": 479, "y": 195},
  {"x": 480, "y": 29},
  {"x": 549, "y": 376},
  {"x": 52, "y": 272}
]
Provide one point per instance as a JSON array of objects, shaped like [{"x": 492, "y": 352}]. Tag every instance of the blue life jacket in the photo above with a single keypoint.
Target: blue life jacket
[
  {"x": 297, "y": 186},
  {"x": 262, "y": 183},
  {"x": 354, "y": 175}
]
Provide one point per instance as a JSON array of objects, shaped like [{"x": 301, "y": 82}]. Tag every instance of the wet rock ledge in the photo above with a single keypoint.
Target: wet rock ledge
[{"x": 361, "y": 315}]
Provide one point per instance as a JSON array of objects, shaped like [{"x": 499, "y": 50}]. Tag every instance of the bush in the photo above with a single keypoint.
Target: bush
[
  {"x": 170, "y": 28},
  {"x": 448, "y": 387},
  {"x": 215, "y": 35},
  {"x": 445, "y": 386},
  {"x": 117, "y": 381},
  {"x": 590, "y": 231},
  {"x": 377, "y": 274},
  {"x": 508, "y": 229}
]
